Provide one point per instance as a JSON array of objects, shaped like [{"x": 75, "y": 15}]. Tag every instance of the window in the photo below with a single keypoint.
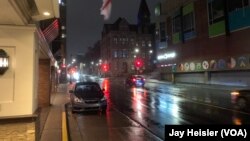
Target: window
[
  {"x": 235, "y": 5},
  {"x": 239, "y": 13},
  {"x": 216, "y": 11},
  {"x": 143, "y": 43},
  {"x": 115, "y": 54},
  {"x": 149, "y": 44},
  {"x": 120, "y": 54},
  {"x": 176, "y": 30},
  {"x": 162, "y": 32},
  {"x": 157, "y": 33},
  {"x": 216, "y": 18},
  {"x": 188, "y": 22},
  {"x": 177, "y": 24},
  {"x": 124, "y": 54}
]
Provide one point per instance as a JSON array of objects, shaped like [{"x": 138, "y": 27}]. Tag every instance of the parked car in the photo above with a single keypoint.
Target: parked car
[
  {"x": 241, "y": 98},
  {"x": 87, "y": 96},
  {"x": 135, "y": 80}
]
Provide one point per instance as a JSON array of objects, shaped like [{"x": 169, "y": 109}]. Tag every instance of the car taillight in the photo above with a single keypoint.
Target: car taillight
[{"x": 133, "y": 79}]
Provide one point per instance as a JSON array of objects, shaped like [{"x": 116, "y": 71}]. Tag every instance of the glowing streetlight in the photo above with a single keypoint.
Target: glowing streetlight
[{"x": 137, "y": 50}]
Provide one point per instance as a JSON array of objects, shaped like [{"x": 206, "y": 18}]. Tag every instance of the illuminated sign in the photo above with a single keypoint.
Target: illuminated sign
[{"x": 166, "y": 56}]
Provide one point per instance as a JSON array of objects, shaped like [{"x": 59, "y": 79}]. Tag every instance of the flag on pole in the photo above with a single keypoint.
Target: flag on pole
[{"x": 106, "y": 9}]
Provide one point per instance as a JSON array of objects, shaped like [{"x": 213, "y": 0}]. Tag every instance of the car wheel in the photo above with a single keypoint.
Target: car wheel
[{"x": 242, "y": 103}]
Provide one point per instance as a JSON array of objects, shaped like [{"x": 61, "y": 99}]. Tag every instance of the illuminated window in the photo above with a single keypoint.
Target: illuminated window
[{"x": 115, "y": 54}]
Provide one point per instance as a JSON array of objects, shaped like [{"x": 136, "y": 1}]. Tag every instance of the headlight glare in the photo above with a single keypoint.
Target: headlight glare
[{"x": 76, "y": 99}]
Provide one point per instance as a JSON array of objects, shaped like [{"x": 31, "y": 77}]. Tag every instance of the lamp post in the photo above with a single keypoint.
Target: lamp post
[{"x": 4, "y": 61}]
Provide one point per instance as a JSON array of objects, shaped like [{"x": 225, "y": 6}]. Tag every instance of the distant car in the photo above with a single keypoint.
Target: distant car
[
  {"x": 87, "y": 96},
  {"x": 241, "y": 98},
  {"x": 135, "y": 80}
]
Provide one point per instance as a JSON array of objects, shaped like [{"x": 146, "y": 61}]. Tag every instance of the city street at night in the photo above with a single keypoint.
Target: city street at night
[{"x": 124, "y": 70}]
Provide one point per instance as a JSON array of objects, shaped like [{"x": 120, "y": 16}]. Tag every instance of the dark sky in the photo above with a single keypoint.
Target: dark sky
[{"x": 84, "y": 22}]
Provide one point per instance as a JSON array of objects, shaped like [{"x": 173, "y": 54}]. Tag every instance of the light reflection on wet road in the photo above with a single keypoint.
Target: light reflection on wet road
[
  {"x": 157, "y": 105},
  {"x": 110, "y": 126}
]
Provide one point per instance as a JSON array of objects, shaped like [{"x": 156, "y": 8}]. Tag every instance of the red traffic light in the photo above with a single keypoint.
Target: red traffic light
[
  {"x": 138, "y": 63},
  {"x": 105, "y": 67}
]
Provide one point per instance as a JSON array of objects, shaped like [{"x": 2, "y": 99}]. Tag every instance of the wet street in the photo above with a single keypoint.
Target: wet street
[{"x": 142, "y": 113}]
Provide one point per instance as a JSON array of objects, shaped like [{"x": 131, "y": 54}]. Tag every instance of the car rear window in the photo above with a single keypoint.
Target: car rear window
[{"x": 138, "y": 76}]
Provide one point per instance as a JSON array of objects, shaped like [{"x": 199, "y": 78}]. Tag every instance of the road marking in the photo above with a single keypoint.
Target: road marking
[{"x": 64, "y": 127}]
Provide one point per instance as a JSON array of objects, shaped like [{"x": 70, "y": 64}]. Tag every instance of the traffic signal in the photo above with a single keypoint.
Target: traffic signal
[
  {"x": 105, "y": 67},
  {"x": 138, "y": 62}
]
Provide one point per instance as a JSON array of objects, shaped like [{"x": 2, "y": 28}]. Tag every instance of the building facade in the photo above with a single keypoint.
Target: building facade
[
  {"x": 122, "y": 45},
  {"x": 129, "y": 48},
  {"x": 27, "y": 84},
  {"x": 206, "y": 42}
]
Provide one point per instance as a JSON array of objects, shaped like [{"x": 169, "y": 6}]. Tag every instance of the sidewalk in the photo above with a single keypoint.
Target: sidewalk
[
  {"x": 156, "y": 79},
  {"x": 52, "y": 116},
  {"x": 200, "y": 85}
]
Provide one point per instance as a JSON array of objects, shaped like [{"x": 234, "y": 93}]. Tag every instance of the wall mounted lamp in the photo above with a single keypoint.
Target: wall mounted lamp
[{"x": 4, "y": 61}]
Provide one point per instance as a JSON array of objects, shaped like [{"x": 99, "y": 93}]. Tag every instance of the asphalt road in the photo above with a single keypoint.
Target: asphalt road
[{"x": 142, "y": 113}]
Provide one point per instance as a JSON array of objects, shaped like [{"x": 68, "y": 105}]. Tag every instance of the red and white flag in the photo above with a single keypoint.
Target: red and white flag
[{"x": 106, "y": 9}]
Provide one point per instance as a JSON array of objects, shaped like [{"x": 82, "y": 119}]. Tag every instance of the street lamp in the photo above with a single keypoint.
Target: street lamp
[
  {"x": 136, "y": 50},
  {"x": 4, "y": 61}
]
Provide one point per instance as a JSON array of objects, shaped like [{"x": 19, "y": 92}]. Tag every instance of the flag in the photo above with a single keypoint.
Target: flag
[
  {"x": 51, "y": 32},
  {"x": 106, "y": 9}
]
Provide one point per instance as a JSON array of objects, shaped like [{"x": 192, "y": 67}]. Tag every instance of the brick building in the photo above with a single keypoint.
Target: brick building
[
  {"x": 123, "y": 43},
  {"x": 207, "y": 41}
]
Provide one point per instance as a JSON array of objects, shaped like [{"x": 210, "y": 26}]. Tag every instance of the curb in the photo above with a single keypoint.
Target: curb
[{"x": 65, "y": 125}]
